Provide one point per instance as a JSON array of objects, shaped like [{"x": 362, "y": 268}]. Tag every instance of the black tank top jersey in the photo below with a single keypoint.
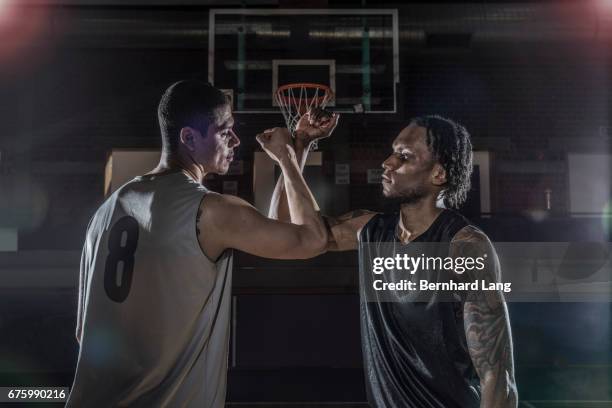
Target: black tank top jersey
[{"x": 415, "y": 353}]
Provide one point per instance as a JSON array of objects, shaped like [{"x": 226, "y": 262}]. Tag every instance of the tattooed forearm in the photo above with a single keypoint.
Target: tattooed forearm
[
  {"x": 486, "y": 324},
  {"x": 488, "y": 338},
  {"x": 487, "y": 335}
]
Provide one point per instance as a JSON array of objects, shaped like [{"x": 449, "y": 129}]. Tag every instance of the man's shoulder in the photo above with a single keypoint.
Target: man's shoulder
[
  {"x": 222, "y": 202},
  {"x": 471, "y": 239},
  {"x": 471, "y": 233},
  {"x": 219, "y": 209}
]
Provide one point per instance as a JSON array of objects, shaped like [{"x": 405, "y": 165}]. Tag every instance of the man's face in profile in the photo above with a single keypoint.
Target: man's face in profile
[
  {"x": 408, "y": 169},
  {"x": 215, "y": 149}
]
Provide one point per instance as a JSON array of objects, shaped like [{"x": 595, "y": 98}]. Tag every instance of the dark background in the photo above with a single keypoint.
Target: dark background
[{"x": 79, "y": 79}]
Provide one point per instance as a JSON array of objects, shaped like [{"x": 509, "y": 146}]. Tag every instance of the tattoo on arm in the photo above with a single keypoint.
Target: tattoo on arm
[
  {"x": 486, "y": 323},
  {"x": 490, "y": 346},
  {"x": 487, "y": 336}
]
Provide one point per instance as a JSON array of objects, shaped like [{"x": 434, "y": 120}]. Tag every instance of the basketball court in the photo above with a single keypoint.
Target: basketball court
[{"x": 530, "y": 80}]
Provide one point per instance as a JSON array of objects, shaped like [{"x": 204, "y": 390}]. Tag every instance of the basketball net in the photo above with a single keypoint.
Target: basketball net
[{"x": 295, "y": 100}]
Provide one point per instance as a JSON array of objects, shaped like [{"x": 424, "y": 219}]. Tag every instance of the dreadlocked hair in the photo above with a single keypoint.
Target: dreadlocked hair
[{"x": 450, "y": 145}]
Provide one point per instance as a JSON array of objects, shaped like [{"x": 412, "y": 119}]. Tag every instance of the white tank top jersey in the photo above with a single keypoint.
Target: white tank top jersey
[{"x": 154, "y": 310}]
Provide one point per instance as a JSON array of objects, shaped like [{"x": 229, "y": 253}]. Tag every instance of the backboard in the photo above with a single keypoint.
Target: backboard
[{"x": 353, "y": 51}]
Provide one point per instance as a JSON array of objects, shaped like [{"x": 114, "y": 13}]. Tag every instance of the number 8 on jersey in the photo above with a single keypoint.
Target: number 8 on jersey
[{"x": 118, "y": 279}]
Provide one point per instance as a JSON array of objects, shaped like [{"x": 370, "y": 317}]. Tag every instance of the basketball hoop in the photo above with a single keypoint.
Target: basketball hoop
[{"x": 297, "y": 99}]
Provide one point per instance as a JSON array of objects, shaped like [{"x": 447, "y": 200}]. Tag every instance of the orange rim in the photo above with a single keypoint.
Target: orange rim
[{"x": 327, "y": 92}]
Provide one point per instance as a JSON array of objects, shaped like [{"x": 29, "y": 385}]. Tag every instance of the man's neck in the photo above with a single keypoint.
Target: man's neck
[
  {"x": 416, "y": 218},
  {"x": 169, "y": 163}
]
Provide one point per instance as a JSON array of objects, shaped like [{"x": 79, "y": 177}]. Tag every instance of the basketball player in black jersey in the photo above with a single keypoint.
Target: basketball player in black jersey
[{"x": 424, "y": 355}]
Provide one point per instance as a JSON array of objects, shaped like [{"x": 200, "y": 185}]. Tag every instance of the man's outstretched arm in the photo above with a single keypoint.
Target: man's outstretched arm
[
  {"x": 486, "y": 324},
  {"x": 343, "y": 230},
  {"x": 312, "y": 126},
  {"x": 230, "y": 222}
]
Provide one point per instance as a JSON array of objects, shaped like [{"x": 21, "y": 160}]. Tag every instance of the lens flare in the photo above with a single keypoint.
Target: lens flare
[
  {"x": 24, "y": 31},
  {"x": 7, "y": 10}
]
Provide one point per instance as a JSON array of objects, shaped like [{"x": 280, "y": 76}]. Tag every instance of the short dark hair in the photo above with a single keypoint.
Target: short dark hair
[
  {"x": 187, "y": 103},
  {"x": 450, "y": 145}
]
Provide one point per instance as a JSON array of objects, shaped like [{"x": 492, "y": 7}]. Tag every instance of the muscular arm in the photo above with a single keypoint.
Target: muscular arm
[
  {"x": 231, "y": 222},
  {"x": 279, "y": 208},
  {"x": 342, "y": 230},
  {"x": 486, "y": 324},
  {"x": 314, "y": 125}
]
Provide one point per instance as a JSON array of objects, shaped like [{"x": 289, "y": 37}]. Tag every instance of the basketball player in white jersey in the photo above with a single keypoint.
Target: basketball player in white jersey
[{"x": 155, "y": 283}]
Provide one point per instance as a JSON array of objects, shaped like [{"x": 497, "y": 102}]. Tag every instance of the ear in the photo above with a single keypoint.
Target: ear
[
  {"x": 187, "y": 137},
  {"x": 438, "y": 175}
]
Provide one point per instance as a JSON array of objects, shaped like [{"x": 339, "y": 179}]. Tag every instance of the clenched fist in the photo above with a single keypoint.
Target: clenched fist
[
  {"x": 314, "y": 125},
  {"x": 277, "y": 143}
]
